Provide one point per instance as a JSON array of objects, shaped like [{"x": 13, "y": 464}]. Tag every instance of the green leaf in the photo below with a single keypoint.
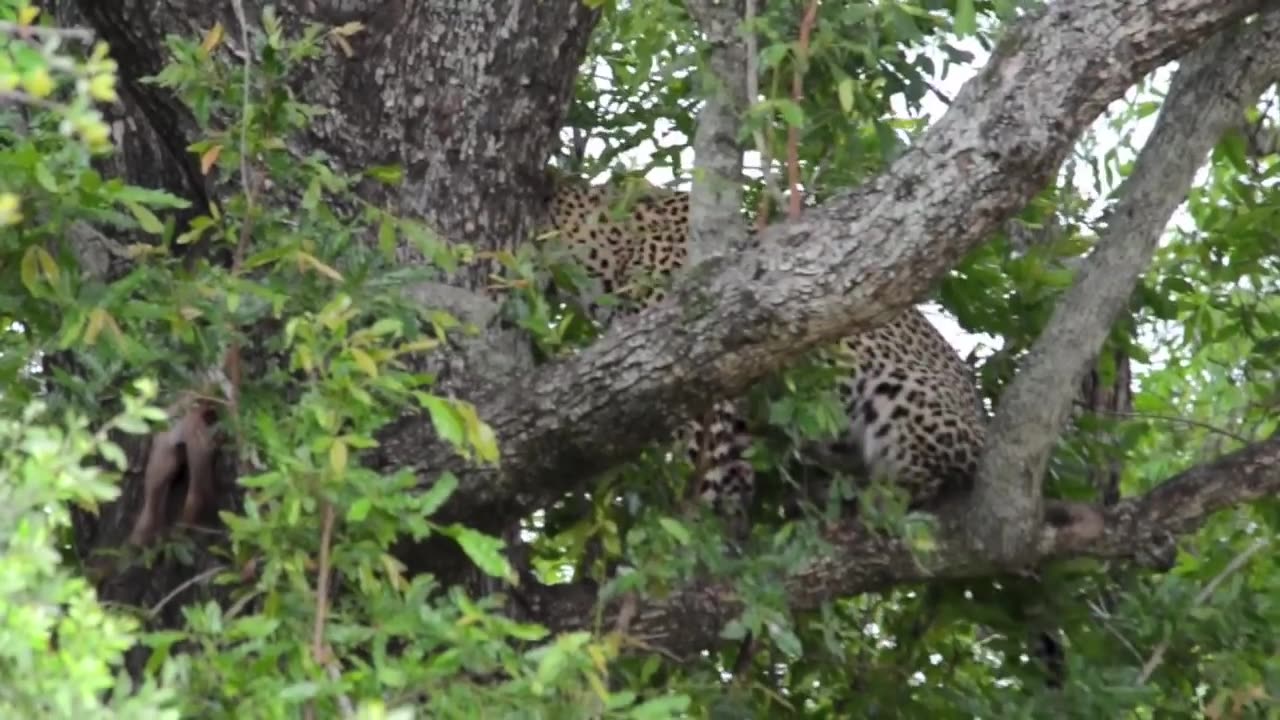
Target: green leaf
[
  {"x": 338, "y": 456},
  {"x": 791, "y": 113},
  {"x": 660, "y": 708},
  {"x": 45, "y": 178},
  {"x": 966, "y": 22},
  {"x": 359, "y": 510},
  {"x": 620, "y": 699},
  {"x": 29, "y": 270},
  {"x": 786, "y": 640},
  {"x": 845, "y": 92},
  {"x": 154, "y": 198},
  {"x": 528, "y": 632},
  {"x": 1233, "y": 148},
  {"x": 675, "y": 529},
  {"x": 552, "y": 664},
  {"x": 311, "y": 197},
  {"x": 446, "y": 421},
  {"x": 438, "y": 494},
  {"x": 484, "y": 550},
  {"x": 389, "y": 174},
  {"x": 146, "y": 219}
]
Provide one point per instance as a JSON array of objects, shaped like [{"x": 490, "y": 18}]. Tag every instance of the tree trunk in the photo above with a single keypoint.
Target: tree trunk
[{"x": 466, "y": 96}]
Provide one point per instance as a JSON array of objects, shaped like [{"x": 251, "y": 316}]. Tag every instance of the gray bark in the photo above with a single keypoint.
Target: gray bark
[{"x": 1206, "y": 99}]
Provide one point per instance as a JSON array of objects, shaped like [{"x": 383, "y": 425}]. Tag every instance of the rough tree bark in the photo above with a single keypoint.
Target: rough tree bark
[{"x": 468, "y": 95}]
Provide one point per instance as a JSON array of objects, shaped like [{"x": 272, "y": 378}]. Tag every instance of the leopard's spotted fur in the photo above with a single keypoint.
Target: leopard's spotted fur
[{"x": 915, "y": 416}]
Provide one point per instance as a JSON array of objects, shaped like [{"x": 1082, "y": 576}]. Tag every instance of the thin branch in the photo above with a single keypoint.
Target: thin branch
[
  {"x": 762, "y": 137},
  {"x": 198, "y": 578},
  {"x": 1105, "y": 618},
  {"x": 79, "y": 34},
  {"x": 1176, "y": 419},
  {"x": 797, "y": 96},
  {"x": 1157, "y": 656},
  {"x": 18, "y": 97},
  {"x": 318, "y": 650}
]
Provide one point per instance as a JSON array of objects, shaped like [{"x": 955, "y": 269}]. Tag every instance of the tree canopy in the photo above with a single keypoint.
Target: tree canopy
[{"x": 443, "y": 491}]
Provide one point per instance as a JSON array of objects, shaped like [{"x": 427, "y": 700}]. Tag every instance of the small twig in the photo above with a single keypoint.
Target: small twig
[
  {"x": 12, "y": 97},
  {"x": 1176, "y": 419},
  {"x": 1102, "y": 615},
  {"x": 322, "y": 585},
  {"x": 797, "y": 95},
  {"x": 763, "y": 138},
  {"x": 62, "y": 33},
  {"x": 344, "y": 702},
  {"x": 238, "y": 7},
  {"x": 641, "y": 644},
  {"x": 941, "y": 95},
  {"x": 625, "y": 614},
  {"x": 318, "y": 650},
  {"x": 201, "y": 577},
  {"x": 1157, "y": 656},
  {"x": 231, "y": 362},
  {"x": 239, "y": 605}
]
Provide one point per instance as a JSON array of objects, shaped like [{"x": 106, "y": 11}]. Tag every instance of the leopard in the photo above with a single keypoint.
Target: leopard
[{"x": 916, "y": 417}]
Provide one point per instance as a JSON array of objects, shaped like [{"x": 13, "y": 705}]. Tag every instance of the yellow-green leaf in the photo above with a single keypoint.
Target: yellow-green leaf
[
  {"x": 311, "y": 197},
  {"x": 845, "y": 91},
  {"x": 338, "y": 456},
  {"x": 47, "y": 264},
  {"x": 447, "y": 423},
  {"x": 675, "y": 529},
  {"x": 209, "y": 158},
  {"x": 364, "y": 362},
  {"x": 212, "y": 38},
  {"x": 306, "y": 259},
  {"x": 146, "y": 219},
  {"x": 485, "y": 551},
  {"x": 359, "y": 509},
  {"x": 29, "y": 271},
  {"x": 97, "y": 320},
  {"x": 439, "y": 492},
  {"x": 966, "y": 18}
]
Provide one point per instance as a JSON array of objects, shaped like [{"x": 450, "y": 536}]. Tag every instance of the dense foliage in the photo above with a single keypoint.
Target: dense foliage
[{"x": 1202, "y": 331}]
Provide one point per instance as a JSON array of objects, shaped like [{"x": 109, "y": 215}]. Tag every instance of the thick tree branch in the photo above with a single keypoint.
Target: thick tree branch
[
  {"x": 845, "y": 267},
  {"x": 715, "y": 201},
  {"x": 858, "y": 561},
  {"x": 1207, "y": 97}
]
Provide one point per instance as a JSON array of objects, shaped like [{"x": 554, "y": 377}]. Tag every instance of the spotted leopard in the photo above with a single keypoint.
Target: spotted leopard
[{"x": 916, "y": 418}]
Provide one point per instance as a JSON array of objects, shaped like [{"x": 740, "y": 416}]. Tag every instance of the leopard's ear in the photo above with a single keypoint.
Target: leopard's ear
[
  {"x": 552, "y": 181},
  {"x": 556, "y": 179}
]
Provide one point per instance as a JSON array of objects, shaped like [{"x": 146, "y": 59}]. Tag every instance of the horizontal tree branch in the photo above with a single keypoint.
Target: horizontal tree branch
[
  {"x": 846, "y": 266},
  {"x": 857, "y": 561}
]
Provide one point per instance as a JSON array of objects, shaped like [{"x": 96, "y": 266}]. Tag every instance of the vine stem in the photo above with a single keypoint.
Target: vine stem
[{"x": 797, "y": 94}]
